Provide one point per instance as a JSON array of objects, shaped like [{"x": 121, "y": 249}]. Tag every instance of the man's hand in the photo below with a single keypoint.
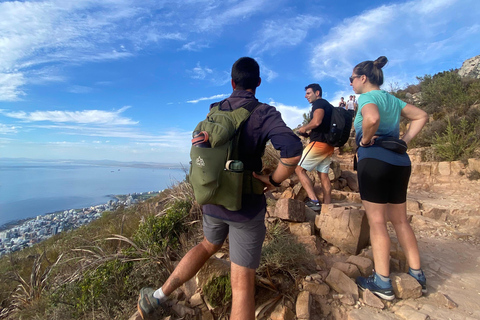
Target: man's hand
[
  {"x": 302, "y": 132},
  {"x": 267, "y": 186}
]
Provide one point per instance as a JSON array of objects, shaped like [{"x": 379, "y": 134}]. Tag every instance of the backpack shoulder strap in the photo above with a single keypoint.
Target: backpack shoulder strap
[{"x": 250, "y": 107}]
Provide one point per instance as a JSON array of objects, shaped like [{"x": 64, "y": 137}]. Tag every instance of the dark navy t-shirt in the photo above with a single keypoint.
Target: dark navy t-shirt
[
  {"x": 264, "y": 124},
  {"x": 317, "y": 134}
]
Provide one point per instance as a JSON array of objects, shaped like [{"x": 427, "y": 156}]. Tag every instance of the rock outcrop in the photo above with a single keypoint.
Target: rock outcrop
[{"x": 470, "y": 68}]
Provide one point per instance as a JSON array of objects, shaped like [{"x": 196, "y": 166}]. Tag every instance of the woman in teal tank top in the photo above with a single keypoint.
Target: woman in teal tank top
[{"x": 383, "y": 174}]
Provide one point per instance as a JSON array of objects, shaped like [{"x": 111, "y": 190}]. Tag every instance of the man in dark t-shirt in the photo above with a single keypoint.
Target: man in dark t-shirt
[
  {"x": 318, "y": 154},
  {"x": 246, "y": 227}
]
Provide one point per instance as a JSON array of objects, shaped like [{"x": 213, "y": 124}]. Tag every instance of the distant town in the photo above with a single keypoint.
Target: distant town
[{"x": 35, "y": 230}]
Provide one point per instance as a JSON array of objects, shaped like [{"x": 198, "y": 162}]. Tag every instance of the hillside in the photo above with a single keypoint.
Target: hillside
[{"x": 96, "y": 271}]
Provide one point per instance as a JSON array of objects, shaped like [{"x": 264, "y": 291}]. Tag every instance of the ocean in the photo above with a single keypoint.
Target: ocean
[{"x": 32, "y": 188}]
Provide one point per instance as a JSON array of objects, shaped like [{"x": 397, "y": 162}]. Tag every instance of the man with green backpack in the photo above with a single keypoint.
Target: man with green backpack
[{"x": 225, "y": 166}]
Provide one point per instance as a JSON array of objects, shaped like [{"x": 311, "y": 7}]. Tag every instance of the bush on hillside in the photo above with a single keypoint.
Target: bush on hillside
[{"x": 459, "y": 141}]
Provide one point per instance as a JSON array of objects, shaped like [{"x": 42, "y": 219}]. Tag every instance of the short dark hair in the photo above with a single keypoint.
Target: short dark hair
[
  {"x": 372, "y": 69},
  {"x": 315, "y": 87},
  {"x": 246, "y": 73}
]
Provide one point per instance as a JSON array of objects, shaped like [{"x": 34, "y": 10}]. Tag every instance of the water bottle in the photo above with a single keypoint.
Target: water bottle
[
  {"x": 200, "y": 139},
  {"x": 234, "y": 165}
]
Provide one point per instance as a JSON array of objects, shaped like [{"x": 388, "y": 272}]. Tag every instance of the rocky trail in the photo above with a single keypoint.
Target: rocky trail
[{"x": 445, "y": 215}]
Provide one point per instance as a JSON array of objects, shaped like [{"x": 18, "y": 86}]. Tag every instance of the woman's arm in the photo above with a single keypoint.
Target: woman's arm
[
  {"x": 418, "y": 118},
  {"x": 370, "y": 123}
]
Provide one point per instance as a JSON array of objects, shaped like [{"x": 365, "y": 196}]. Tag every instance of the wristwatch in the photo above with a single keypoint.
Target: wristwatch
[{"x": 272, "y": 182}]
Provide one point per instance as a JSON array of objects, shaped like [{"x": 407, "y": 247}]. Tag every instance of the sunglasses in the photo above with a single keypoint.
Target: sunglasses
[{"x": 351, "y": 78}]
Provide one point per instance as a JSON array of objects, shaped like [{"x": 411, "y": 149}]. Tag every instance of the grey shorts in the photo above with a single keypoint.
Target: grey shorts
[{"x": 245, "y": 238}]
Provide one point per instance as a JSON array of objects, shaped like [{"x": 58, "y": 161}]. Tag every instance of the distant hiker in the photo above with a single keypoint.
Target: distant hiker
[
  {"x": 351, "y": 105},
  {"x": 318, "y": 154},
  {"x": 384, "y": 171},
  {"x": 342, "y": 103},
  {"x": 245, "y": 227}
]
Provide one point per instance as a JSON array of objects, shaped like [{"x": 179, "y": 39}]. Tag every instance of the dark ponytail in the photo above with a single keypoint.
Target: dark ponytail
[{"x": 372, "y": 69}]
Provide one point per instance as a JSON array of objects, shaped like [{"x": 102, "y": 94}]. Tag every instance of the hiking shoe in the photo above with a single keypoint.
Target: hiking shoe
[
  {"x": 421, "y": 279},
  {"x": 147, "y": 303},
  {"x": 315, "y": 206},
  {"x": 369, "y": 283}
]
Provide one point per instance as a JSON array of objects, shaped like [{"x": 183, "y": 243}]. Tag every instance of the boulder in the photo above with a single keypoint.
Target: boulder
[
  {"x": 282, "y": 312},
  {"x": 470, "y": 68},
  {"x": 405, "y": 286},
  {"x": 345, "y": 227},
  {"x": 372, "y": 300},
  {"x": 364, "y": 265},
  {"x": 319, "y": 289},
  {"x": 349, "y": 269},
  {"x": 290, "y": 210},
  {"x": 303, "y": 305},
  {"x": 341, "y": 283},
  {"x": 301, "y": 228}
]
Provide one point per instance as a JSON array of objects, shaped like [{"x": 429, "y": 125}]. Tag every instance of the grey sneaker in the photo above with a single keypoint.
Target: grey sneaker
[
  {"x": 315, "y": 206},
  {"x": 147, "y": 303}
]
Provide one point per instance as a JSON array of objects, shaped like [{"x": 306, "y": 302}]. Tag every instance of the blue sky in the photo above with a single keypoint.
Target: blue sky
[{"x": 128, "y": 80}]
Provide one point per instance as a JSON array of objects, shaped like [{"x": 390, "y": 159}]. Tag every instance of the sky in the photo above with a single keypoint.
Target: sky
[{"x": 128, "y": 80}]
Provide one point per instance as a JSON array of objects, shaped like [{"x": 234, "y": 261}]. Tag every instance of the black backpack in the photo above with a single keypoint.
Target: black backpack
[{"x": 340, "y": 126}]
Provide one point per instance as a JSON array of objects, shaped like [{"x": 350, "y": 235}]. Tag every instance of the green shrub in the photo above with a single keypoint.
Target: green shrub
[
  {"x": 102, "y": 286},
  {"x": 218, "y": 291},
  {"x": 459, "y": 141},
  {"x": 159, "y": 232}
]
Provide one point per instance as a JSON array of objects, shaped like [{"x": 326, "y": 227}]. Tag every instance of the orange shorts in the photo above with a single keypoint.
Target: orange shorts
[{"x": 318, "y": 156}]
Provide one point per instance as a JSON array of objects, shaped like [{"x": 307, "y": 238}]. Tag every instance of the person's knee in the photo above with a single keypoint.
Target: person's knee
[
  {"x": 299, "y": 170},
  {"x": 210, "y": 247}
]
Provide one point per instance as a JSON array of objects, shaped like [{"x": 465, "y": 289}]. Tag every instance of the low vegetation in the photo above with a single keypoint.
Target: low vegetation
[
  {"x": 96, "y": 271},
  {"x": 453, "y": 104}
]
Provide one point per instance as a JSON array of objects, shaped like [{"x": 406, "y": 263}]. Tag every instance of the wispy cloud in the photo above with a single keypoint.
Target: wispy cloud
[
  {"x": 7, "y": 129},
  {"x": 215, "y": 77},
  {"x": 283, "y": 33},
  {"x": 426, "y": 24},
  {"x": 217, "y": 96},
  {"x": 98, "y": 117},
  {"x": 79, "y": 89},
  {"x": 10, "y": 86}
]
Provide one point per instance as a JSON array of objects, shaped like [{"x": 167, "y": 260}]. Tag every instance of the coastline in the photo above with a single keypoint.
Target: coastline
[{"x": 19, "y": 234}]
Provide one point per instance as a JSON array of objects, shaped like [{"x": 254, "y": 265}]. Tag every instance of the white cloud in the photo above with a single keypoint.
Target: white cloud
[
  {"x": 200, "y": 72},
  {"x": 430, "y": 29},
  {"x": 217, "y": 96},
  {"x": 98, "y": 117},
  {"x": 10, "y": 84},
  {"x": 79, "y": 89},
  {"x": 7, "y": 129},
  {"x": 217, "y": 78},
  {"x": 283, "y": 33},
  {"x": 194, "y": 46},
  {"x": 291, "y": 115}
]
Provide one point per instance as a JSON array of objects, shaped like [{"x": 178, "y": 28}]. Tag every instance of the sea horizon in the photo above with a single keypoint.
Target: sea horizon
[{"x": 33, "y": 187}]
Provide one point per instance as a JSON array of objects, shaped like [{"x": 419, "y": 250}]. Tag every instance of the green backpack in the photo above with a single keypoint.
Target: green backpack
[{"x": 216, "y": 174}]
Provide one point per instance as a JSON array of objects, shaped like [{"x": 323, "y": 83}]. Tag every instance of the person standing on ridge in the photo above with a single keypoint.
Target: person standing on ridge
[
  {"x": 351, "y": 106},
  {"x": 318, "y": 154},
  {"x": 342, "y": 104},
  {"x": 383, "y": 174},
  {"x": 246, "y": 227}
]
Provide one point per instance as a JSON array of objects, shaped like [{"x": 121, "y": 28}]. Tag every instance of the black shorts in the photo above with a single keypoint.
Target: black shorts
[{"x": 381, "y": 182}]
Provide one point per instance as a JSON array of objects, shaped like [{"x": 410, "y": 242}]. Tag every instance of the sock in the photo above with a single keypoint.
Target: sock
[
  {"x": 381, "y": 281},
  {"x": 160, "y": 295},
  {"x": 316, "y": 201}
]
